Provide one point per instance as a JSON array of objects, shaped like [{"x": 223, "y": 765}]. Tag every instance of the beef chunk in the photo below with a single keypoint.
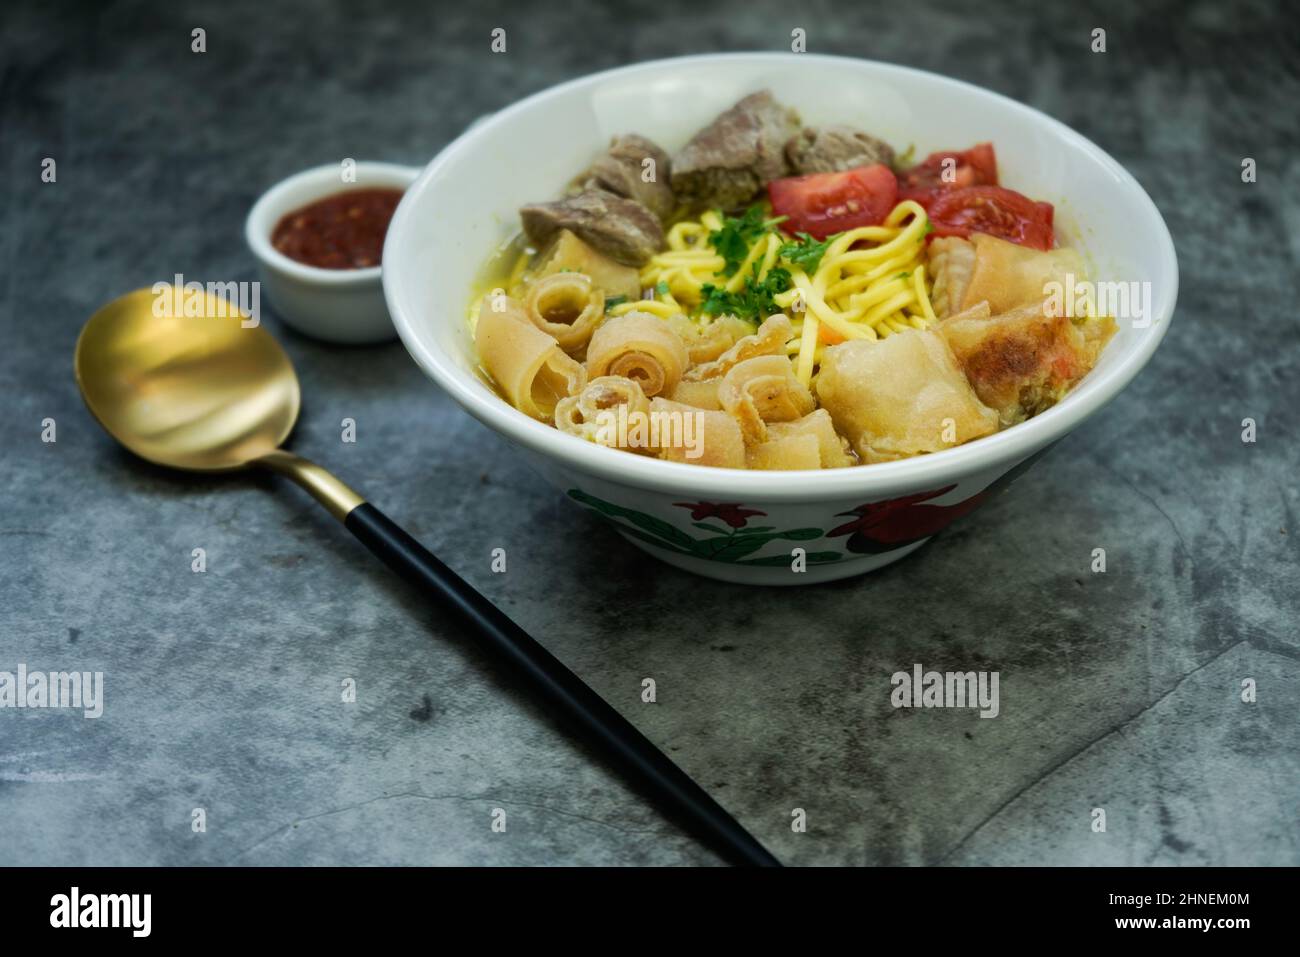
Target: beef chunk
[
  {"x": 622, "y": 229},
  {"x": 621, "y": 170},
  {"x": 831, "y": 149},
  {"x": 737, "y": 154}
]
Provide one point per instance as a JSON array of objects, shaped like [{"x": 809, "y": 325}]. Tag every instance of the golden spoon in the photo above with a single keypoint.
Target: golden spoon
[{"x": 214, "y": 392}]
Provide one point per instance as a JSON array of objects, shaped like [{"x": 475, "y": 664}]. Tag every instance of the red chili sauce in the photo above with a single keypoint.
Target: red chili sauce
[{"x": 343, "y": 231}]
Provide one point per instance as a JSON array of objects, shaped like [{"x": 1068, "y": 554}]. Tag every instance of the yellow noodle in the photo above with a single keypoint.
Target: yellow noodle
[
  {"x": 769, "y": 257},
  {"x": 807, "y": 351},
  {"x": 879, "y": 292},
  {"x": 737, "y": 280},
  {"x": 901, "y": 240},
  {"x": 860, "y": 281},
  {"x": 817, "y": 307},
  {"x": 885, "y": 309},
  {"x": 908, "y": 207},
  {"x": 656, "y": 307},
  {"x": 712, "y": 220},
  {"x": 870, "y": 282},
  {"x": 923, "y": 296},
  {"x": 686, "y": 235},
  {"x": 690, "y": 286}
]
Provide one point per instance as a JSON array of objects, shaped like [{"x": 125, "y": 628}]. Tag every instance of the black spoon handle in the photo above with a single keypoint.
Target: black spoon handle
[{"x": 559, "y": 687}]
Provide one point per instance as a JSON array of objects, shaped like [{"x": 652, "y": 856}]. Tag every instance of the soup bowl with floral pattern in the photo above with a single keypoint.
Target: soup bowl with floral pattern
[{"x": 762, "y": 527}]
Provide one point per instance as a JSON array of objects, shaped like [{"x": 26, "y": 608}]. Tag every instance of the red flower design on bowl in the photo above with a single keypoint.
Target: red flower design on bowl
[
  {"x": 732, "y": 513},
  {"x": 884, "y": 526}
]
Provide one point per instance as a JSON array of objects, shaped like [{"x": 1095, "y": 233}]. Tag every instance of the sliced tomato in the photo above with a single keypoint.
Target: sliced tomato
[
  {"x": 823, "y": 203},
  {"x": 949, "y": 169},
  {"x": 991, "y": 209}
]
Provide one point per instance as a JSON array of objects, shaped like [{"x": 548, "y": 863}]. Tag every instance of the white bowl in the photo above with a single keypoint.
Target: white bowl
[
  {"x": 465, "y": 204},
  {"x": 337, "y": 305}
]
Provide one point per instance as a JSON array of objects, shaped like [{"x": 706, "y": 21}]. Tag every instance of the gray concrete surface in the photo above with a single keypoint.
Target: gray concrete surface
[{"x": 1119, "y": 691}]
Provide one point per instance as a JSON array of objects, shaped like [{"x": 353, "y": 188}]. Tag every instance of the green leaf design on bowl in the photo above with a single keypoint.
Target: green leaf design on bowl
[{"x": 723, "y": 544}]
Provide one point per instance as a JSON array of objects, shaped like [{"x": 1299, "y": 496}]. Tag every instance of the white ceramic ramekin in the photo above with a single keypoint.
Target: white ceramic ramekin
[
  {"x": 762, "y": 527},
  {"x": 346, "y": 306}
]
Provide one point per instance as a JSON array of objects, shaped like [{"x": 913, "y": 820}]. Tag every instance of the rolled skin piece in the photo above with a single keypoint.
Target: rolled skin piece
[
  {"x": 1022, "y": 362},
  {"x": 697, "y": 436},
  {"x": 761, "y": 390},
  {"x": 900, "y": 396},
  {"x": 788, "y": 452},
  {"x": 708, "y": 338},
  {"x": 594, "y": 413},
  {"x": 769, "y": 340},
  {"x": 568, "y": 307},
  {"x": 527, "y": 365},
  {"x": 702, "y": 394},
  {"x": 638, "y": 346},
  {"x": 832, "y": 449}
]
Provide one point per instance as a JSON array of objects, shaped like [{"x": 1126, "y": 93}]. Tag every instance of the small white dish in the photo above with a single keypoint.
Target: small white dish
[
  {"x": 758, "y": 527},
  {"x": 345, "y": 306}
]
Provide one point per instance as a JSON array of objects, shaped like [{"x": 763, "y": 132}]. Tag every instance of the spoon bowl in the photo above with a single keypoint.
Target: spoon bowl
[{"x": 204, "y": 392}]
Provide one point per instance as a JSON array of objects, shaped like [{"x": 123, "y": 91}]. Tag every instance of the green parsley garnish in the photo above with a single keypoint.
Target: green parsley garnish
[
  {"x": 805, "y": 252},
  {"x": 612, "y": 301},
  {"x": 733, "y": 240},
  {"x": 754, "y": 302},
  {"x": 661, "y": 288}
]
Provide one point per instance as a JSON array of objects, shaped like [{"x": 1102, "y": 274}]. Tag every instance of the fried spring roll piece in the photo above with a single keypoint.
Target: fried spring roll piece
[
  {"x": 1001, "y": 273},
  {"x": 952, "y": 262},
  {"x": 527, "y": 364},
  {"x": 978, "y": 311},
  {"x": 638, "y": 346},
  {"x": 1023, "y": 362},
  {"x": 901, "y": 396}
]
